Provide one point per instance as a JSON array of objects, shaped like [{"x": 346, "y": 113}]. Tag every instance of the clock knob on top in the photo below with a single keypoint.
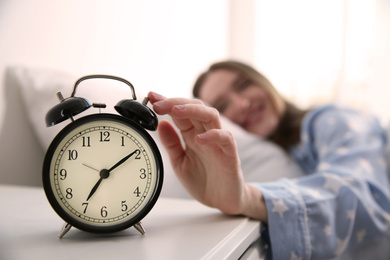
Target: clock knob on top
[
  {"x": 66, "y": 109},
  {"x": 138, "y": 112}
]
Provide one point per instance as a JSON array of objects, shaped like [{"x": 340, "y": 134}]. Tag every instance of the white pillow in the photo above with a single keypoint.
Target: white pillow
[{"x": 261, "y": 160}]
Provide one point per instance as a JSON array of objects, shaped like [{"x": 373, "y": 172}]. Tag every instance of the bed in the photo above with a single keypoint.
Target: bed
[{"x": 30, "y": 92}]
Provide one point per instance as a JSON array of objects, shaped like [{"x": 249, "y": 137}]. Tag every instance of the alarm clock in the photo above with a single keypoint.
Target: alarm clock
[{"x": 102, "y": 172}]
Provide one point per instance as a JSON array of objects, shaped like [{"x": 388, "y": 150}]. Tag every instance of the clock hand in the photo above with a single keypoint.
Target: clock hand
[
  {"x": 95, "y": 188},
  {"x": 90, "y": 167},
  {"x": 122, "y": 161},
  {"x": 104, "y": 174}
]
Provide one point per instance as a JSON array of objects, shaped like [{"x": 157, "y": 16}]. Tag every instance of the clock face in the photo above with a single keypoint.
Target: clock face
[{"x": 102, "y": 173}]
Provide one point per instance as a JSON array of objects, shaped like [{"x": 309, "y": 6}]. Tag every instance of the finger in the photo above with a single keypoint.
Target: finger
[
  {"x": 220, "y": 137},
  {"x": 200, "y": 116},
  {"x": 171, "y": 141},
  {"x": 164, "y": 106},
  {"x": 155, "y": 97}
]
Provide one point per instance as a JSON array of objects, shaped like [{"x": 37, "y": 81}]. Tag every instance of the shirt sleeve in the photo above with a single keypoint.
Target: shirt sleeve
[{"x": 344, "y": 201}]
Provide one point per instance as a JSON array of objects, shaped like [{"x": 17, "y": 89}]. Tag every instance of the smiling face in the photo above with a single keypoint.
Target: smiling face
[{"x": 242, "y": 101}]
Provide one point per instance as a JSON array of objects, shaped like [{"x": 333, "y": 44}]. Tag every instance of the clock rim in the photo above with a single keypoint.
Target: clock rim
[{"x": 71, "y": 219}]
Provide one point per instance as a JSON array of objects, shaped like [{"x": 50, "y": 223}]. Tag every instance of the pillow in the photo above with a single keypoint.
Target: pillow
[{"x": 261, "y": 160}]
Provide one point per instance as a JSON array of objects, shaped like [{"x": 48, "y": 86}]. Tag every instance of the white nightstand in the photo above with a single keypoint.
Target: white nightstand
[{"x": 175, "y": 229}]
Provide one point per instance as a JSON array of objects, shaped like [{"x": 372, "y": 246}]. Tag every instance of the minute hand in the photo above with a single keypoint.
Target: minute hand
[{"x": 122, "y": 161}]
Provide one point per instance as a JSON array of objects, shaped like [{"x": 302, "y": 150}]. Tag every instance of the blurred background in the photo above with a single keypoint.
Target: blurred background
[{"x": 313, "y": 51}]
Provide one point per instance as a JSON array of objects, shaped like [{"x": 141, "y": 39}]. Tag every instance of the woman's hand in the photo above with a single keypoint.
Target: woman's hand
[{"x": 208, "y": 166}]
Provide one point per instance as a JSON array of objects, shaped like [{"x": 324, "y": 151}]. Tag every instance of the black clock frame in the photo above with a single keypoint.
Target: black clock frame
[{"x": 70, "y": 219}]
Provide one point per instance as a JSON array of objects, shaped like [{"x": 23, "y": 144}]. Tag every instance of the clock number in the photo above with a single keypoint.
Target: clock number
[
  {"x": 104, "y": 136},
  {"x": 69, "y": 194},
  {"x": 73, "y": 154},
  {"x": 143, "y": 173},
  {"x": 86, "y": 141},
  {"x": 124, "y": 206},
  {"x": 137, "y": 192},
  {"x": 85, "y": 204},
  {"x": 138, "y": 154},
  {"x": 103, "y": 212},
  {"x": 63, "y": 174},
  {"x": 123, "y": 141}
]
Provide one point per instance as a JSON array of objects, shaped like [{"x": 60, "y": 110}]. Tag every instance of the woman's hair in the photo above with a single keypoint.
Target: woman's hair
[{"x": 288, "y": 132}]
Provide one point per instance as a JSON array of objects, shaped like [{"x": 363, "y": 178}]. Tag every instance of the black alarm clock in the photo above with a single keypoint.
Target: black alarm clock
[{"x": 102, "y": 172}]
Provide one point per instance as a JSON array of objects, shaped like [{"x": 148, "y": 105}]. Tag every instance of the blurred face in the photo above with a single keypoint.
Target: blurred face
[{"x": 240, "y": 100}]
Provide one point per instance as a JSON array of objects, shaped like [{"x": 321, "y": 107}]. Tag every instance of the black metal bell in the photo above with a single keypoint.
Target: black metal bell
[
  {"x": 129, "y": 108},
  {"x": 66, "y": 109},
  {"x": 137, "y": 112}
]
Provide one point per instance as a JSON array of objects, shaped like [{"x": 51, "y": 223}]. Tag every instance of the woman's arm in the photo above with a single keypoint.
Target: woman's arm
[
  {"x": 344, "y": 201},
  {"x": 208, "y": 166}
]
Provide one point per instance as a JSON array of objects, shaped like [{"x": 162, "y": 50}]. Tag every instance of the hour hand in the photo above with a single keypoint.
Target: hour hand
[{"x": 123, "y": 160}]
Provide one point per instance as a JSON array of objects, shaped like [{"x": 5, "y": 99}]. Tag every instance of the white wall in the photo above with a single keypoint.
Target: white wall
[
  {"x": 157, "y": 45},
  {"x": 326, "y": 50}
]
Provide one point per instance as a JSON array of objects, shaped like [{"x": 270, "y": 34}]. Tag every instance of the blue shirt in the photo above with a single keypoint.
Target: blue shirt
[{"x": 344, "y": 199}]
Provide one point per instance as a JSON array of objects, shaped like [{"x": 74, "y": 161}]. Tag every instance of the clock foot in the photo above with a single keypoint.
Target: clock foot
[
  {"x": 140, "y": 228},
  {"x": 64, "y": 230}
]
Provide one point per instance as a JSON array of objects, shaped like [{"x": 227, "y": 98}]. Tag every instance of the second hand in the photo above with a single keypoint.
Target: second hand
[{"x": 91, "y": 167}]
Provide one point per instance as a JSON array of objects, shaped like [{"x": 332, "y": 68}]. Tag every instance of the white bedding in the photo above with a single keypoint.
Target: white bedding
[{"x": 261, "y": 160}]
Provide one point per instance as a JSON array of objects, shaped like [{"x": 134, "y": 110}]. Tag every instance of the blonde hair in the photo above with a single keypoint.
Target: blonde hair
[{"x": 288, "y": 132}]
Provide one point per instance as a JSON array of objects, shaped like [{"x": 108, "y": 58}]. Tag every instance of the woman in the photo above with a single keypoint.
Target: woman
[{"x": 342, "y": 201}]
